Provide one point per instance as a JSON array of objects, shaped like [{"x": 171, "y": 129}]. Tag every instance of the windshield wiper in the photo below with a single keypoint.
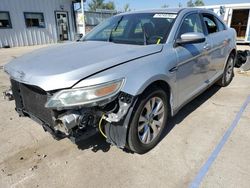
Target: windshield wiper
[
  {"x": 114, "y": 29},
  {"x": 145, "y": 35}
]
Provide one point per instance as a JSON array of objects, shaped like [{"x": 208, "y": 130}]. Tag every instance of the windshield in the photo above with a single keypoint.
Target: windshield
[{"x": 139, "y": 29}]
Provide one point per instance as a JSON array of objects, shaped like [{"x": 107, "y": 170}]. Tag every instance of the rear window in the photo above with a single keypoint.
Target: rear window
[{"x": 221, "y": 26}]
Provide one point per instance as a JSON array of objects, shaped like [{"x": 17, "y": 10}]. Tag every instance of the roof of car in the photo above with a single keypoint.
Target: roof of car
[{"x": 165, "y": 10}]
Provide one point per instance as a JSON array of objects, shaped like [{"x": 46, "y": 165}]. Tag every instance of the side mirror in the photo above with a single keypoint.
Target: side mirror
[{"x": 191, "y": 38}]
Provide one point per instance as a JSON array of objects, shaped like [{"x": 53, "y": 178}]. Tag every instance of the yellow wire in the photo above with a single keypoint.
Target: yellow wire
[
  {"x": 100, "y": 126},
  {"x": 158, "y": 41}
]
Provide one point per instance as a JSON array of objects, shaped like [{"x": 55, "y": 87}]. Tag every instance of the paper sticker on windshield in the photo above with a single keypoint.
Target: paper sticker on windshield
[{"x": 169, "y": 16}]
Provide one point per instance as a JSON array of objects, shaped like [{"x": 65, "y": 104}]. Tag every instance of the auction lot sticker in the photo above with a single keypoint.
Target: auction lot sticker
[{"x": 172, "y": 16}]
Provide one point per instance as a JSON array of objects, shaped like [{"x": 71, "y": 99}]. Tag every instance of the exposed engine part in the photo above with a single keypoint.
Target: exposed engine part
[
  {"x": 60, "y": 127},
  {"x": 124, "y": 104},
  {"x": 116, "y": 117},
  {"x": 126, "y": 98},
  {"x": 116, "y": 131},
  {"x": 85, "y": 120},
  {"x": 76, "y": 119},
  {"x": 70, "y": 121},
  {"x": 8, "y": 95}
]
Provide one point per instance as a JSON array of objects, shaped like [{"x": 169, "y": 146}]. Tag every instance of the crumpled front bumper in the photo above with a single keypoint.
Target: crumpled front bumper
[{"x": 76, "y": 124}]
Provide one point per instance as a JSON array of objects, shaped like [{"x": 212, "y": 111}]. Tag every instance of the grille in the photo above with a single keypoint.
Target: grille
[{"x": 31, "y": 100}]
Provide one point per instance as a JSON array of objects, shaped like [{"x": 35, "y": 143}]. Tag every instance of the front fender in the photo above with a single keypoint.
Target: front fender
[{"x": 138, "y": 74}]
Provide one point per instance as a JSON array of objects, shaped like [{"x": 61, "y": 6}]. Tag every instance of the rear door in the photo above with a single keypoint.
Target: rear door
[
  {"x": 217, "y": 51},
  {"x": 192, "y": 61}
]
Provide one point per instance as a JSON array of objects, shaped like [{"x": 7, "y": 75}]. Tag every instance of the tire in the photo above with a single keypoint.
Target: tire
[
  {"x": 228, "y": 73},
  {"x": 146, "y": 128}
]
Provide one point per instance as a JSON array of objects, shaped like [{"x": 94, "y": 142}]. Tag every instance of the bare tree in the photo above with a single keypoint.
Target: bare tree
[
  {"x": 127, "y": 8},
  {"x": 190, "y": 3},
  {"x": 165, "y": 6}
]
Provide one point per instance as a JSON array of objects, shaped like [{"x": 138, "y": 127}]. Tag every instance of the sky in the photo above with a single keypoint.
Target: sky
[{"x": 150, "y": 4}]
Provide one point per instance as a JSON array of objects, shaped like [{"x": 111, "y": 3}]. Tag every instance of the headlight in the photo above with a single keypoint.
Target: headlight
[{"x": 86, "y": 96}]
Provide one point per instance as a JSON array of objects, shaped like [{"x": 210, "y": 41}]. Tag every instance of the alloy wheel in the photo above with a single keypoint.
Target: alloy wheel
[
  {"x": 229, "y": 70},
  {"x": 151, "y": 120}
]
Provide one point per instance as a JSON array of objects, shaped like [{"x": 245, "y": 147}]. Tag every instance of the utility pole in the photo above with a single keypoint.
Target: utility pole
[{"x": 83, "y": 17}]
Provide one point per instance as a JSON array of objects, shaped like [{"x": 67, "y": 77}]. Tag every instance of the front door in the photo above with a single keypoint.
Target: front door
[
  {"x": 192, "y": 61},
  {"x": 62, "y": 26}
]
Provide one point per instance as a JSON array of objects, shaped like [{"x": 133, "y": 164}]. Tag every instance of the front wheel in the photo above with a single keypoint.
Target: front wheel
[
  {"x": 228, "y": 73},
  {"x": 148, "y": 121}
]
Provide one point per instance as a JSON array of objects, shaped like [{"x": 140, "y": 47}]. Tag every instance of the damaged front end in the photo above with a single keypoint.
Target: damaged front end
[{"x": 76, "y": 113}]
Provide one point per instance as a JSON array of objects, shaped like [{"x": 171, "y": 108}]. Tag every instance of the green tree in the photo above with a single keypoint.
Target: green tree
[
  {"x": 199, "y": 3},
  {"x": 96, "y": 4},
  {"x": 99, "y": 4},
  {"x": 110, "y": 5},
  {"x": 127, "y": 8},
  {"x": 190, "y": 3}
]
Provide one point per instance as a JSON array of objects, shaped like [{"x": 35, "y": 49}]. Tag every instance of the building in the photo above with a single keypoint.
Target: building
[
  {"x": 33, "y": 22},
  {"x": 236, "y": 16},
  {"x": 92, "y": 19}
]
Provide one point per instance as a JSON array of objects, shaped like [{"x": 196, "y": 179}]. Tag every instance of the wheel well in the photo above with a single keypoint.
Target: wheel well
[
  {"x": 165, "y": 87},
  {"x": 233, "y": 52}
]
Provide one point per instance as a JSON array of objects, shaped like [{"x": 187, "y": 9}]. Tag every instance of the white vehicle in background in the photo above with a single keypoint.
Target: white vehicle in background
[{"x": 236, "y": 16}]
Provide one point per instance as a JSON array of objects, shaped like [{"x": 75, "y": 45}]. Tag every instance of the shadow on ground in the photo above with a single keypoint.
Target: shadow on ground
[
  {"x": 189, "y": 108},
  {"x": 95, "y": 143},
  {"x": 98, "y": 143}
]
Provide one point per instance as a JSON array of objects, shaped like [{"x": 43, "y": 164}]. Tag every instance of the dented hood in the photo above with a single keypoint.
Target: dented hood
[{"x": 61, "y": 66}]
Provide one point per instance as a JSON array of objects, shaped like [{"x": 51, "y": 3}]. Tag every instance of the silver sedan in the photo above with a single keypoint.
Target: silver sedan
[{"x": 126, "y": 77}]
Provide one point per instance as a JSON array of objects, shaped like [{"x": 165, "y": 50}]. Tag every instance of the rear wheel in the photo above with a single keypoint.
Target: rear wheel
[
  {"x": 228, "y": 72},
  {"x": 148, "y": 121}
]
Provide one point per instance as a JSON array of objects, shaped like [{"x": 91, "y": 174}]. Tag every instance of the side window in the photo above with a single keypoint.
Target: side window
[
  {"x": 192, "y": 23},
  {"x": 210, "y": 24},
  {"x": 5, "y": 20},
  {"x": 221, "y": 26}
]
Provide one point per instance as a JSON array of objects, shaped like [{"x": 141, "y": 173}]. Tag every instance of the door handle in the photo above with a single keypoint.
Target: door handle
[{"x": 207, "y": 47}]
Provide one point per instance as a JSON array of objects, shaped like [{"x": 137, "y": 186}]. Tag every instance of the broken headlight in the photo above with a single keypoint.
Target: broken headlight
[{"x": 86, "y": 96}]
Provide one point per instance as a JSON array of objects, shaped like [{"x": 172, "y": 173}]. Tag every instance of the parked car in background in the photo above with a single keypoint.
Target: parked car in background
[{"x": 126, "y": 77}]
